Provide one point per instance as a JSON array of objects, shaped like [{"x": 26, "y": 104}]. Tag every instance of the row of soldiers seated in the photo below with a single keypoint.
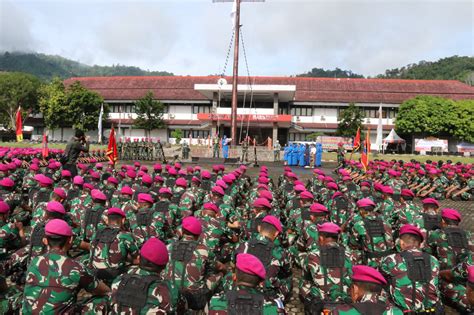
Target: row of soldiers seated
[
  {"x": 440, "y": 180},
  {"x": 182, "y": 240}
]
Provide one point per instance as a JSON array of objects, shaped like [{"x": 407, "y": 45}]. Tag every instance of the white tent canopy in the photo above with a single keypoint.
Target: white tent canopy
[{"x": 393, "y": 138}]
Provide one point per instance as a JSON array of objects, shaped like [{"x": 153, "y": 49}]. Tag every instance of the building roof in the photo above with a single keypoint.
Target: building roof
[{"x": 307, "y": 89}]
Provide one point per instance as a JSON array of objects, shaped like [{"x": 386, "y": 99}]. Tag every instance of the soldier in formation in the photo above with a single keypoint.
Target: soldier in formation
[{"x": 176, "y": 240}]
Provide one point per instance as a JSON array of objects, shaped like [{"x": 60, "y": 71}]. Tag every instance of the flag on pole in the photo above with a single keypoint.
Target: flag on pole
[
  {"x": 19, "y": 126},
  {"x": 112, "y": 152},
  {"x": 233, "y": 13},
  {"x": 364, "y": 159},
  {"x": 357, "y": 140},
  {"x": 99, "y": 125},
  {"x": 44, "y": 149}
]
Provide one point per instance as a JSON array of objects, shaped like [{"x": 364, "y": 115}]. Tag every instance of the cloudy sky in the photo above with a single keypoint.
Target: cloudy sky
[{"x": 282, "y": 37}]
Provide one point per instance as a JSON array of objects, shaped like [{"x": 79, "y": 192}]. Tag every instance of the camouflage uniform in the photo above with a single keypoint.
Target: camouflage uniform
[
  {"x": 52, "y": 283},
  {"x": 161, "y": 295},
  {"x": 407, "y": 292},
  {"x": 276, "y": 261},
  {"x": 109, "y": 255},
  {"x": 9, "y": 239},
  {"x": 10, "y": 301},
  {"x": 320, "y": 283},
  {"x": 219, "y": 304},
  {"x": 147, "y": 223},
  {"x": 372, "y": 238},
  {"x": 369, "y": 299}
]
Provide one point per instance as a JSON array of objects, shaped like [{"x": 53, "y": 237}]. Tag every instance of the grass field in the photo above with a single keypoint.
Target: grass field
[{"x": 326, "y": 156}]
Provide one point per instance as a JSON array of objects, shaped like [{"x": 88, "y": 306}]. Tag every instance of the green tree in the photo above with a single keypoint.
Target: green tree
[
  {"x": 149, "y": 113},
  {"x": 74, "y": 106},
  {"x": 177, "y": 134},
  {"x": 336, "y": 73},
  {"x": 426, "y": 116},
  {"x": 350, "y": 120},
  {"x": 85, "y": 106},
  {"x": 17, "y": 89},
  {"x": 53, "y": 105},
  {"x": 461, "y": 122}
]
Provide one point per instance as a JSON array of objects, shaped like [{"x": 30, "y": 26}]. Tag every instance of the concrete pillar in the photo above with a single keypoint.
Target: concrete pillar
[
  {"x": 213, "y": 128},
  {"x": 214, "y": 101},
  {"x": 275, "y": 132},
  {"x": 275, "y": 104}
]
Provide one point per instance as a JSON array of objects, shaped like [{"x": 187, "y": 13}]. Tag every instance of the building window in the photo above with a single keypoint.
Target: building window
[
  {"x": 201, "y": 109},
  {"x": 193, "y": 133},
  {"x": 302, "y": 111}
]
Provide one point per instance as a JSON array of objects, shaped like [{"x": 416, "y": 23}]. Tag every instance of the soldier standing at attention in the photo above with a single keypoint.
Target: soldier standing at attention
[
  {"x": 413, "y": 275},
  {"x": 245, "y": 150},
  {"x": 276, "y": 151},
  {"x": 215, "y": 147},
  {"x": 54, "y": 279}
]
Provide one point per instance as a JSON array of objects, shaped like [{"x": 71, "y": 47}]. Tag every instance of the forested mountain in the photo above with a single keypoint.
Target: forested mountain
[
  {"x": 451, "y": 68},
  {"x": 47, "y": 67},
  {"x": 336, "y": 73}
]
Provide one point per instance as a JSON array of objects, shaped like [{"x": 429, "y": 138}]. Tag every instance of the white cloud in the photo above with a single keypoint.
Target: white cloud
[{"x": 15, "y": 33}]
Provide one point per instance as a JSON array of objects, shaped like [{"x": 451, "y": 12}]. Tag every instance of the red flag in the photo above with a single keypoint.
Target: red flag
[
  {"x": 357, "y": 140},
  {"x": 45, "y": 150},
  {"x": 364, "y": 159},
  {"x": 112, "y": 152},
  {"x": 19, "y": 126}
]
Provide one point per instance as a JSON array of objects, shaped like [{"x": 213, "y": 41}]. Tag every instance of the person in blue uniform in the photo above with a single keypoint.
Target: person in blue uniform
[
  {"x": 319, "y": 154},
  {"x": 225, "y": 147},
  {"x": 301, "y": 151},
  {"x": 294, "y": 154},
  {"x": 286, "y": 154}
]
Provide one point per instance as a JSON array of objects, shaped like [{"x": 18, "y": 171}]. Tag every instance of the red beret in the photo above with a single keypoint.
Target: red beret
[
  {"x": 116, "y": 211},
  {"x": 181, "y": 182},
  {"x": 112, "y": 180},
  {"x": 332, "y": 185},
  {"x": 173, "y": 171},
  {"x": 329, "y": 227},
  {"x": 432, "y": 201},
  {"x": 165, "y": 190},
  {"x": 318, "y": 208},
  {"x": 146, "y": 179},
  {"x": 157, "y": 167},
  {"x": 195, "y": 179},
  {"x": 251, "y": 265},
  {"x": 407, "y": 193},
  {"x": 387, "y": 190},
  {"x": 88, "y": 186},
  {"x": 136, "y": 164},
  {"x": 218, "y": 190},
  {"x": 365, "y": 202},
  {"x": 205, "y": 175},
  {"x": 192, "y": 225},
  {"x": 145, "y": 198},
  {"x": 158, "y": 178},
  {"x": 336, "y": 195},
  {"x": 211, "y": 206},
  {"x": 155, "y": 251},
  {"x": 451, "y": 214},
  {"x": 60, "y": 192},
  {"x": 265, "y": 194},
  {"x": 7, "y": 182},
  {"x": 270, "y": 219},
  {"x": 99, "y": 165},
  {"x": 55, "y": 206},
  {"x": 177, "y": 165},
  {"x": 57, "y": 227},
  {"x": 367, "y": 274},
  {"x": 262, "y": 203},
  {"x": 43, "y": 180},
  {"x": 221, "y": 183},
  {"x": 299, "y": 188},
  {"x": 411, "y": 229},
  {"x": 144, "y": 168},
  {"x": 65, "y": 173},
  {"x": 263, "y": 180},
  {"x": 131, "y": 173},
  {"x": 306, "y": 195},
  {"x": 287, "y": 169},
  {"x": 126, "y": 190},
  {"x": 34, "y": 167},
  {"x": 4, "y": 207},
  {"x": 470, "y": 274},
  {"x": 292, "y": 175},
  {"x": 95, "y": 175},
  {"x": 98, "y": 195}
]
